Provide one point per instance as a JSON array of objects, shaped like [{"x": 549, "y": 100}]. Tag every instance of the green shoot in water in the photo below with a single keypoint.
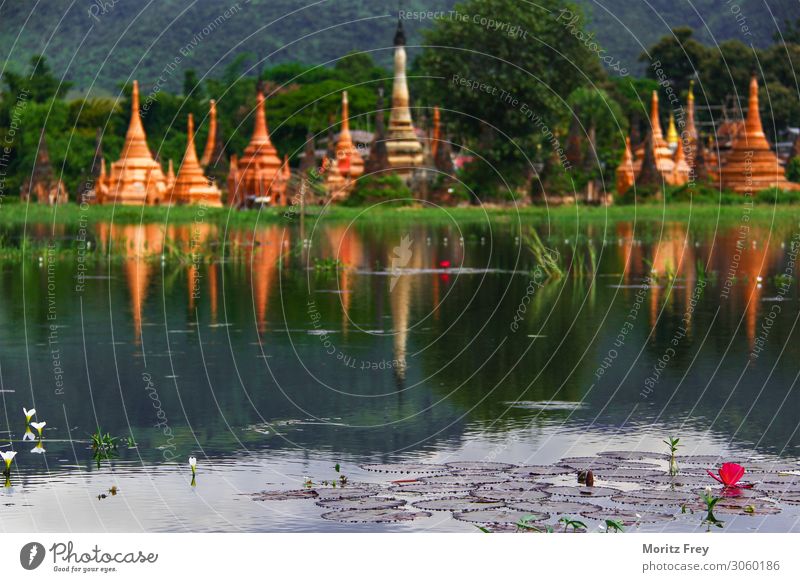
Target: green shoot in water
[
  {"x": 672, "y": 443},
  {"x": 573, "y": 523},
  {"x": 615, "y": 525}
]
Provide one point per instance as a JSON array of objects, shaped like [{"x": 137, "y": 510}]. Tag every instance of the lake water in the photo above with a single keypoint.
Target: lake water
[{"x": 427, "y": 343}]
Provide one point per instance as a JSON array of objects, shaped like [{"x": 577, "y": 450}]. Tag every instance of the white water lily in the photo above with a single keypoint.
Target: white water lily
[
  {"x": 28, "y": 413},
  {"x": 39, "y": 426},
  {"x": 8, "y": 457},
  {"x": 193, "y": 464}
]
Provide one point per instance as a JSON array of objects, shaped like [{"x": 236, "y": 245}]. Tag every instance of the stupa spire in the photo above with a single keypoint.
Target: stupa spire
[
  {"x": 655, "y": 123},
  {"x": 753, "y": 126},
  {"x": 347, "y": 157},
  {"x": 211, "y": 140},
  {"x": 625, "y": 173},
  {"x": 403, "y": 146},
  {"x": 691, "y": 128},
  {"x": 135, "y": 139},
  {"x": 191, "y": 186}
]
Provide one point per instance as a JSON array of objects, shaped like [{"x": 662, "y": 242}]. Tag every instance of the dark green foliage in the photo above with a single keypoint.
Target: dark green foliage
[
  {"x": 523, "y": 102},
  {"x": 385, "y": 189},
  {"x": 793, "y": 170}
]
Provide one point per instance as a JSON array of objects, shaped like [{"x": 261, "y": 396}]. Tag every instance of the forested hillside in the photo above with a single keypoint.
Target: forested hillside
[{"x": 97, "y": 44}]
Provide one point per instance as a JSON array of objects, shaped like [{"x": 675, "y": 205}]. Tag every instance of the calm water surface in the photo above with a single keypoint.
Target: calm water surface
[{"x": 429, "y": 343}]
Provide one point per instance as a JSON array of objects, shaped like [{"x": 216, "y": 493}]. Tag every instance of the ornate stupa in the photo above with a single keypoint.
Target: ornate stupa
[
  {"x": 258, "y": 176},
  {"x": 191, "y": 185},
  {"x": 43, "y": 186},
  {"x": 214, "y": 159},
  {"x": 691, "y": 126},
  {"x": 672, "y": 134},
  {"x": 403, "y": 146},
  {"x": 350, "y": 162},
  {"x": 680, "y": 174},
  {"x": 751, "y": 165},
  {"x": 661, "y": 152},
  {"x": 136, "y": 178},
  {"x": 378, "y": 160},
  {"x": 625, "y": 174}
]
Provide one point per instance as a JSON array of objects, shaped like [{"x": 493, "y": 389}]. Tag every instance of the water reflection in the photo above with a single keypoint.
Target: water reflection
[{"x": 413, "y": 351}]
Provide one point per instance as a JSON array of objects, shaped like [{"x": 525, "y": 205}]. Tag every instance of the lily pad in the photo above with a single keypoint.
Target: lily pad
[
  {"x": 639, "y": 465},
  {"x": 588, "y": 463},
  {"x": 739, "y": 506},
  {"x": 655, "y": 497},
  {"x": 791, "y": 497},
  {"x": 421, "y": 468},
  {"x": 680, "y": 480},
  {"x": 458, "y": 504},
  {"x": 473, "y": 480},
  {"x": 629, "y": 517},
  {"x": 708, "y": 461},
  {"x": 626, "y": 475},
  {"x": 431, "y": 488},
  {"x": 584, "y": 492},
  {"x": 329, "y": 493},
  {"x": 362, "y": 503},
  {"x": 499, "y": 516},
  {"x": 374, "y": 515},
  {"x": 285, "y": 495},
  {"x": 540, "y": 471},
  {"x": 479, "y": 466},
  {"x": 632, "y": 455},
  {"x": 554, "y": 507},
  {"x": 515, "y": 495}
]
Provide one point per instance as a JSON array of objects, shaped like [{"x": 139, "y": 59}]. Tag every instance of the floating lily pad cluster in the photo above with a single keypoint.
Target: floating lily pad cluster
[{"x": 631, "y": 488}]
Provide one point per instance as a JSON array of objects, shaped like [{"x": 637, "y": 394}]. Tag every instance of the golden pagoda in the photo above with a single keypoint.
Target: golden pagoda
[
  {"x": 191, "y": 185},
  {"x": 350, "y": 162},
  {"x": 672, "y": 134},
  {"x": 402, "y": 144},
  {"x": 136, "y": 178},
  {"x": 751, "y": 165},
  {"x": 625, "y": 173},
  {"x": 257, "y": 176}
]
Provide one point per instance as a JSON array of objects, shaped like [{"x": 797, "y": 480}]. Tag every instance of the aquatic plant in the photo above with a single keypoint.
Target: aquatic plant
[
  {"x": 709, "y": 519},
  {"x": 103, "y": 442},
  {"x": 131, "y": 443},
  {"x": 193, "y": 465},
  {"x": 526, "y": 523},
  {"x": 328, "y": 264},
  {"x": 39, "y": 426},
  {"x": 39, "y": 448},
  {"x": 28, "y": 436},
  {"x": 672, "y": 443},
  {"x": 729, "y": 476},
  {"x": 546, "y": 259},
  {"x": 28, "y": 414},
  {"x": 573, "y": 523},
  {"x": 8, "y": 457},
  {"x": 615, "y": 525}
]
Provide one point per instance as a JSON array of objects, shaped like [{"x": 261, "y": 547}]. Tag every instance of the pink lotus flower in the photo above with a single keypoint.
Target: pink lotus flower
[{"x": 729, "y": 476}]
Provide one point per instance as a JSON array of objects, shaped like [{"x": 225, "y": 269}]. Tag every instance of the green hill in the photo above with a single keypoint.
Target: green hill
[{"x": 99, "y": 43}]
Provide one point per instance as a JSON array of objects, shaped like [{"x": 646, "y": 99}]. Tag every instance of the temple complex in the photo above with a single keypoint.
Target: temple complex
[
  {"x": 751, "y": 165},
  {"x": 191, "y": 185},
  {"x": 136, "y": 178},
  {"x": 403, "y": 146},
  {"x": 43, "y": 186},
  {"x": 657, "y": 161},
  {"x": 258, "y": 176}
]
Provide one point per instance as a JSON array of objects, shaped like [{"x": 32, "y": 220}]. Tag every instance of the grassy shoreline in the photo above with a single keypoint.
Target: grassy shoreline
[{"x": 18, "y": 214}]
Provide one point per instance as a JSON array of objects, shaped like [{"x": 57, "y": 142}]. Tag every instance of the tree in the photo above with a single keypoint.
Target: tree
[
  {"x": 681, "y": 58},
  {"x": 506, "y": 89}
]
